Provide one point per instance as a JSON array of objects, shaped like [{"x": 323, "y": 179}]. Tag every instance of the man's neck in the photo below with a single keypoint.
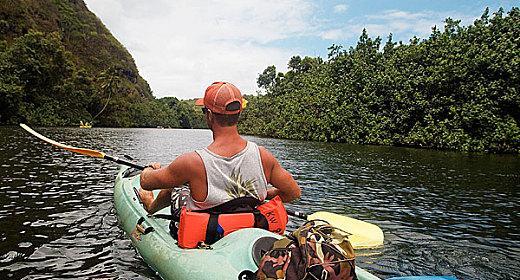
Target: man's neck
[
  {"x": 226, "y": 141},
  {"x": 225, "y": 133}
]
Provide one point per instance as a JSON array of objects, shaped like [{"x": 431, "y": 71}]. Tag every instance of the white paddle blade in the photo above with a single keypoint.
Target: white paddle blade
[{"x": 363, "y": 235}]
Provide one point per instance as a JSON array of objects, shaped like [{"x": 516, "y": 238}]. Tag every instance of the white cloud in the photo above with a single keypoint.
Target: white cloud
[
  {"x": 402, "y": 24},
  {"x": 181, "y": 47},
  {"x": 341, "y": 8},
  {"x": 400, "y": 15},
  {"x": 332, "y": 34}
]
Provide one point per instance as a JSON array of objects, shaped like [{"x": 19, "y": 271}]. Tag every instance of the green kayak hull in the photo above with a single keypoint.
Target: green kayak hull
[{"x": 226, "y": 259}]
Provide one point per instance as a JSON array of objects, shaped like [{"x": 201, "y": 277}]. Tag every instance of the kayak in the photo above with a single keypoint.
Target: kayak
[{"x": 233, "y": 257}]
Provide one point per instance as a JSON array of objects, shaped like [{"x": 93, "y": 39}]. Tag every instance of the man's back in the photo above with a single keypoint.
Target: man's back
[
  {"x": 230, "y": 177},
  {"x": 222, "y": 103}
]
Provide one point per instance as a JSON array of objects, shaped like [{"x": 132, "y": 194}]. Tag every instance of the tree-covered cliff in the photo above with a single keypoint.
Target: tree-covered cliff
[{"x": 60, "y": 65}]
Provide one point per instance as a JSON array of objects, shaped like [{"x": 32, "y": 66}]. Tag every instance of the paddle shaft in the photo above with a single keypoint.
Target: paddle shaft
[
  {"x": 297, "y": 214},
  {"x": 125, "y": 162}
]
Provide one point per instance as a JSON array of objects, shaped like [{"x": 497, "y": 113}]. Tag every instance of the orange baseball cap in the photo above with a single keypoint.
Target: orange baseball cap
[{"x": 222, "y": 98}]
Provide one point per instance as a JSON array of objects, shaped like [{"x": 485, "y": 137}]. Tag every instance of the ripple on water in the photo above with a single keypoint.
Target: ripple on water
[{"x": 10, "y": 256}]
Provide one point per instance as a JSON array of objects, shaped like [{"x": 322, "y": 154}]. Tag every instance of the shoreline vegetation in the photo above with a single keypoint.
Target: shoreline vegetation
[{"x": 458, "y": 89}]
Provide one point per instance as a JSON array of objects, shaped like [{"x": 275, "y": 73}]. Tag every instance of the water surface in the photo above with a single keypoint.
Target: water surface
[{"x": 441, "y": 212}]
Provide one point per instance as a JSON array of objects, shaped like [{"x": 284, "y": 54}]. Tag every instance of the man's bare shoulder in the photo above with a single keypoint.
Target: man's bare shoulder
[
  {"x": 268, "y": 160},
  {"x": 187, "y": 159},
  {"x": 265, "y": 153},
  {"x": 185, "y": 168}
]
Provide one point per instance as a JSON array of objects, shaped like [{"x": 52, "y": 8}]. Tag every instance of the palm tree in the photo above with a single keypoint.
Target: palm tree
[{"x": 110, "y": 82}]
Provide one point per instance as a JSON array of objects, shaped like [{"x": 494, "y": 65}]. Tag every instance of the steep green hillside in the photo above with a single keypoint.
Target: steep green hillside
[
  {"x": 82, "y": 33},
  {"x": 59, "y": 64}
]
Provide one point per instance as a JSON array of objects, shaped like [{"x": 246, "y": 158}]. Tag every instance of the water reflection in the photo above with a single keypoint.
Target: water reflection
[{"x": 442, "y": 212}]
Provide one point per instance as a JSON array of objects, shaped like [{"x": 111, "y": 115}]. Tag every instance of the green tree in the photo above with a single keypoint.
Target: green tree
[
  {"x": 266, "y": 80},
  {"x": 38, "y": 81}
]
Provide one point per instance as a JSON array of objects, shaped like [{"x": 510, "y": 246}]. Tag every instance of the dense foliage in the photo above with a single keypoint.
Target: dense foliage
[
  {"x": 59, "y": 65},
  {"x": 457, "y": 89}
]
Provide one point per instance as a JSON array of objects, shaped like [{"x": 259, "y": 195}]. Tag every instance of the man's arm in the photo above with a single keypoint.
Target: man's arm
[
  {"x": 175, "y": 174},
  {"x": 152, "y": 204},
  {"x": 284, "y": 184}
]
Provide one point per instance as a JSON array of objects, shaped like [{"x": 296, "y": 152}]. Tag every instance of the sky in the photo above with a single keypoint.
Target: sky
[{"x": 181, "y": 47}]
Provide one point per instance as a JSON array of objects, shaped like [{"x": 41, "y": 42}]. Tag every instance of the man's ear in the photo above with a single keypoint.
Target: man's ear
[{"x": 209, "y": 118}]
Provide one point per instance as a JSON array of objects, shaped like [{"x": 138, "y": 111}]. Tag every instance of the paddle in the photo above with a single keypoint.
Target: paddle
[{"x": 363, "y": 234}]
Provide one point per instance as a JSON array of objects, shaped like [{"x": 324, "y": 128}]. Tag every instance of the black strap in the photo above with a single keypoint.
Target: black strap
[
  {"x": 212, "y": 234},
  {"x": 238, "y": 205},
  {"x": 260, "y": 220},
  {"x": 164, "y": 216}
]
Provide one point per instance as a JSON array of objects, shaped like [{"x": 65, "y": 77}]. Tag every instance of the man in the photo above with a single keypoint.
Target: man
[{"x": 230, "y": 167}]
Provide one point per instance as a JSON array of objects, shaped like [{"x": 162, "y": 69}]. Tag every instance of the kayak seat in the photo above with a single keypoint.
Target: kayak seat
[{"x": 261, "y": 246}]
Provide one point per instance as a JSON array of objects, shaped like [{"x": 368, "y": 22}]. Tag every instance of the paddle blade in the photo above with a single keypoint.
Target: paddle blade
[
  {"x": 363, "y": 235},
  {"x": 87, "y": 152}
]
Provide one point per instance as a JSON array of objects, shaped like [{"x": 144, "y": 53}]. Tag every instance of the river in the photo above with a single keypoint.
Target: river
[{"x": 442, "y": 212}]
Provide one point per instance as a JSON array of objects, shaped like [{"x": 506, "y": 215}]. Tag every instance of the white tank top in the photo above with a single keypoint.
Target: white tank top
[{"x": 231, "y": 177}]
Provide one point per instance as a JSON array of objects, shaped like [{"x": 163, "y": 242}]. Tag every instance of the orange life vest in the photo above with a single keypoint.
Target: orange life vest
[{"x": 201, "y": 227}]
